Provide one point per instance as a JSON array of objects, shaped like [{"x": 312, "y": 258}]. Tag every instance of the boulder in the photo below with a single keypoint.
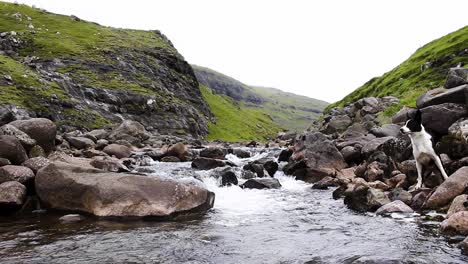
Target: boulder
[
  {"x": 90, "y": 153},
  {"x": 243, "y": 154},
  {"x": 285, "y": 154},
  {"x": 68, "y": 187},
  {"x": 256, "y": 168},
  {"x": 402, "y": 115},
  {"x": 456, "y": 76},
  {"x": 20, "y": 174},
  {"x": 337, "y": 124},
  {"x": 41, "y": 129},
  {"x": 108, "y": 164},
  {"x": 228, "y": 178},
  {"x": 271, "y": 167},
  {"x": 398, "y": 194},
  {"x": 456, "y": 224},
  {"x": 375, "y": 171},
  {"x": 80, "y": 142},
  {"x": 408, "y": 168},
  {"x": 361, "y": 198},
  {"x": 12, "y": 150},
  {"x": 119, "y": 151},
  {"x": 320, "y": 154},
  {"x": 386, "y": 130},
  {"x": 178, "y": 150},
  {"x": 394, "y": 207},
  {"x": 12, "y": 196},
  {"x": 441, "y": 95},
  {"x": 351, "y": 154},
  {"x": 419, "y": 197},
  {"x": 99, "y": 133},
  {"x": 4, "y": 162},
  {"x": 397, "y": 148},
  {"x": 438, "y": 118},
  {"x": 36, "y": 163},
  {"x": 460, "y": 203},
  {"x": 373, "y": 145},
  {"x": 324, "y": 183},
  {"x": 248, "y": 175},
  {"x": 212, "y": 153},
  {"x": 397, "y": 181},
  {"x": 129, "y": 129},
  {"x": 25, "y": 139},
  {"x": 456, "y": 142},
  {"x": 207, "y": 164},
  {"x": 449, "y": 189},
  {"x": 101, "y": 144},
  {"x": 262, "y": 183}
]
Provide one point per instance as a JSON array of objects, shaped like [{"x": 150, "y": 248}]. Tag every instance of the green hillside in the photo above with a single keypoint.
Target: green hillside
[
  {"x": 288, "y": 110},
  {"x": 425, "y": 69},
  {"x": 235, "y": 121}
]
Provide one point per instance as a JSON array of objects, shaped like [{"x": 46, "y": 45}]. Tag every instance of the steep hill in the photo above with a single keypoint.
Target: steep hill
[
  {"x": 81, "y": 74},
  {"x": 287, "y": 110},
  {"x": 425, "y": 69}
]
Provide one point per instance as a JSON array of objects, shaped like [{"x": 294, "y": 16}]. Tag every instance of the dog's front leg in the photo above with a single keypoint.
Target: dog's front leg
[
  {"x": 419, "y": 169},
  {"x": 440, "y": 167}
]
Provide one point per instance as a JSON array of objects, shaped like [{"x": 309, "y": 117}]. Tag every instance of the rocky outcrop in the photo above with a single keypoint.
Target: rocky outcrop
[{"x": 68, "y": 187}]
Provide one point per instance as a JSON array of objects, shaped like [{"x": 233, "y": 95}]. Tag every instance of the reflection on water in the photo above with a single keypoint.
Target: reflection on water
[{"x": 294, "y": 224}]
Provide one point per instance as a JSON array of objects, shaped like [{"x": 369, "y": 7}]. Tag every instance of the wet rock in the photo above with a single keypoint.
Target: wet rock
[
  {"x": 394, "y": 207},
  {"x": 20, "y": 174},
  {"x": 228, "y": 178},
  {"x": 464, "y": 246},
  {"x": 212, "y": 153},
  {"x": 285, "y": 155},
  {"x": 378, "y": 185},
  {"x": 12, "y": 196},
  {"x": 119, "y": 151},
  {"x": 170, "y": 159},
  {"x": 397, "y": 181},
  {"x": 456, "y": 224},
  {"x": 387, "y": 130},
  {"x": 71, "y": 218},
  {"x": 207, "y": 164},
  {"x": 398, "y": 194},
  {"x": 456, "y": 77},
  {"x": 41, "y": 129},
  {"x": 178, "y": 150},
  {"x": 240, "y": 153},
  {"x": 376, "y": 198},
  {"x": 62, "y": 186},
  {"x": 11, "y": 149},
  {"x": 252, "y": 143},
  {"x": 80, "y": 142},
  {"x": 248, "y": 175},
  {"x": 449, "y": 189},
  {"x": 460, "y": 203},
  {"x": 262, "y": 183},
  {"x": 25, "y": 139},
  {"x": 36, "y": 163},
  {"x": 438, "y": 118},
  {"x": 346, "y": 175},
  {"x": 441, "y": 95},
  {"x": 271, "y": 167},
  {"x": 325, "y": 183},
  {"x": 375, "y": 171},
  {"x": 108, "y": 164},
  {"x": 408, "y": 167},
  {"x": 256, "y": 168},
  {"x": 419, "y": 198}
]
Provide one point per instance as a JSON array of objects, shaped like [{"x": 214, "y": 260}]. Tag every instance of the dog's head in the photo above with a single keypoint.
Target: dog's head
[{"x": 413, "y": 124}]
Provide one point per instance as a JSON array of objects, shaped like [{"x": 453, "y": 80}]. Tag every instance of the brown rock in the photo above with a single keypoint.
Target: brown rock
[
  {"x": 456, "y": 224},
  {"x": 12, "y": 150},
  {"x": 394, "y": 207},
  {"x": 12, "y": 196},
  {"x": 36, "y": 163},
  {"x": 460, "y": 203},
  {"x": 41, "y": 129},
  {"x": 449, "y": 189},
  {"x": 178, "y": 150},
  {"x": 119, "y": 151},
  {"x": 16, "y": 173},
  {"x": 170, "y": 159},
  {"x": 64, "y": 186}
]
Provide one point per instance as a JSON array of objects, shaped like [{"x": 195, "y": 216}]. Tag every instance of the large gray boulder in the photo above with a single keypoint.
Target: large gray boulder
[
  {"x": 456, "y": 77},
  {"x": 12, "y": 150},
  {"x": 41, "y": 129},
  {"x": 441, "y": 95},
  {"x": 12, "y": 196},
  {"x": 438, "y": 118},
  {"x": 337, "y": 123},
  {"x": 129, "y": 130},
  {"x": 460, "y": 203},
  {"x": 372, "y": 146},
  {"x": 396, "y": 206},
  {"x": 68, "y": 187},
  {"x": 81, "y": 142},
  {"x": 449, "y": 189},
  {"x": 386, "y": 130},
  {"x": 20, "y": 174},
  {"x": 25, "y": 139},
  {"x": 120, "y": 151}
]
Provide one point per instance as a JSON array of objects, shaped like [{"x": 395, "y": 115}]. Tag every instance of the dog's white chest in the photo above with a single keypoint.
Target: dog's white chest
[{"x": 422, "y": 144}]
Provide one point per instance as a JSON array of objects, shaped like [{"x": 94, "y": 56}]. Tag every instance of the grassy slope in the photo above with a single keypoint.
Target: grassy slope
[
  {"x": 235, "y": 121},
  {"x": 58, "y": 36},
  {"x": 289, "y": 110},
  {"x": 407, "y": 81},
  {"x": 286, "y": 109}
]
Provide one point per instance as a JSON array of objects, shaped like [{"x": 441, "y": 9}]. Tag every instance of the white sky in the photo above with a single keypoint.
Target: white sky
[{"x": 322, "y": 49}]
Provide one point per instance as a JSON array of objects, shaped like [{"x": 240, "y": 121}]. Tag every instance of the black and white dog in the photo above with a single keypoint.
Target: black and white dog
[{"x": 422, "y": 146}]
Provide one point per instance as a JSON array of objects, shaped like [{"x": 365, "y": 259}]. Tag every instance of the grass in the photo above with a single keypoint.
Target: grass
[
  {"x": 235, "y": 121},
  {"x": 408, "y": 80}
]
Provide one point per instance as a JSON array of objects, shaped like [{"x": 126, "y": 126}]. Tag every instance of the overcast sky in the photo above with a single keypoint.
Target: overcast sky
[{"x": 322, "y": 49}]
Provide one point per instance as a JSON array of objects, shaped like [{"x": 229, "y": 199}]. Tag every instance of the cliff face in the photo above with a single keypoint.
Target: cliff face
[{"x": 83, "y": 75}]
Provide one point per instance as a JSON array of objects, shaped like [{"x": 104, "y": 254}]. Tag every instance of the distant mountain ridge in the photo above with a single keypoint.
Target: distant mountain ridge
[{"x": 289, "y": 111}]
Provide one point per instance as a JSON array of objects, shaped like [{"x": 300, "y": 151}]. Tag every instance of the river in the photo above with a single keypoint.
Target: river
[{"x": 294, "y": 224}]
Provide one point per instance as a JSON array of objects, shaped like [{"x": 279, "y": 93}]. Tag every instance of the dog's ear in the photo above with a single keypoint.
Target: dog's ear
[{"x": 417, "y": 116}]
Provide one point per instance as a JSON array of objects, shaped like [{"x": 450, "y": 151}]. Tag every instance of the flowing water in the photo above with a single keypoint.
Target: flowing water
[{"x": 294, "y": 224}]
